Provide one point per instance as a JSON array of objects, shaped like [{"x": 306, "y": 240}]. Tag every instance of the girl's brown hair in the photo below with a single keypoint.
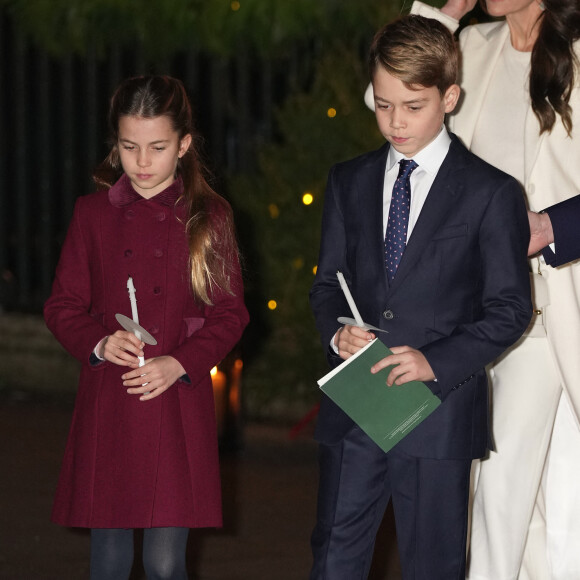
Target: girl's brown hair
[{"x": 212, "y": 243}]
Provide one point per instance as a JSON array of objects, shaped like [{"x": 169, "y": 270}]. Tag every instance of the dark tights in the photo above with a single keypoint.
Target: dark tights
[{"x": 163, "y": 553}]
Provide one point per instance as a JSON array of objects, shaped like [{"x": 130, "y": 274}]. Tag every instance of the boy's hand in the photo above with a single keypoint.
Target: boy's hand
[
  {"x": 122, "y": 348},
  {"x": 153, "y": 378},
  {"x": 411, "y": 366},
  {"x": 350, "y": 339}
]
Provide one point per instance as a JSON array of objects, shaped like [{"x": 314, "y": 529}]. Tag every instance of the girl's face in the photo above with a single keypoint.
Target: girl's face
[{"x": 149, "y": 150}]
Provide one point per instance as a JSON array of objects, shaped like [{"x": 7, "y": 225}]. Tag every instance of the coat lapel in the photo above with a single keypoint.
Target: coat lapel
[
  {"x": 485, "y": 49},
  {"x": 439, "y": 203},
  {"x": 370, "y": 203}
]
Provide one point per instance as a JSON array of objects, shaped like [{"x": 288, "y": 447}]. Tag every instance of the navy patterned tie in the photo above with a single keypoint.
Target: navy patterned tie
[{"x": 396, "y": 235}]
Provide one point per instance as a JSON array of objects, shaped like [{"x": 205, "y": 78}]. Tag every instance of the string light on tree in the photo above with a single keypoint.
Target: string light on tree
[
  {"x": 274, "y": 211},
  {"x": 331, "y": 113},
  {"x": 235, "y": 5},
  {"x": 272, "y": 304},
  {"x": 307, "y": 198}
]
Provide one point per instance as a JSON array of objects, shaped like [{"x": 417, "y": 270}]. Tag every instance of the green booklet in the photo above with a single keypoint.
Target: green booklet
[{"x": 385, "y": 414}]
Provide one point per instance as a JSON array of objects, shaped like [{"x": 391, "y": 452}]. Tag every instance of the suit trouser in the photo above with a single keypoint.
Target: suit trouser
[
  {"x": 526, "y": 395},
  {"x": 430, "y": 502}
]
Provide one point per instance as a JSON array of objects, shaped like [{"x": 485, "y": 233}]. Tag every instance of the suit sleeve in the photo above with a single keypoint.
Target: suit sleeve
[
  {"x": 565, "y": 218},
  {"x": 505, "y": 299},
  {"x": 326, "y": 297}
]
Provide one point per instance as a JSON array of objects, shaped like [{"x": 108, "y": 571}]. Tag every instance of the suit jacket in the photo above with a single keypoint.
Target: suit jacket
[{"x": 461, "y": 293}]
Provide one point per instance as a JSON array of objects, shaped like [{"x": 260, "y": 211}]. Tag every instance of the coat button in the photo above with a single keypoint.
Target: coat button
[
  {"x": 128, "y": 253},
  {"x": 154, "y": 330},
  {"x": 158, "y": 253},
  {"x": 388, "y": 315},
  {"x": 157, "y": 290},
  {"x": 129, "y": 214},
  {"x": 161, "y": 217}
]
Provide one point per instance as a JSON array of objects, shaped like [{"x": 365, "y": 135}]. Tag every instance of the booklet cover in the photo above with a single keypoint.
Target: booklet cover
[{"x": 385, "y": 414}]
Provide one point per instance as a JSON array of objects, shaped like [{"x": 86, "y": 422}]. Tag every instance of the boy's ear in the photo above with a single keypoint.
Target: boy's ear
[{"x": 451, "y": 97}]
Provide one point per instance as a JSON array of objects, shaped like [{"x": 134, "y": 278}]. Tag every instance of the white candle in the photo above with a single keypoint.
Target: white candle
[
  {"x": 134, "y": 312},
  {"x": 133, "y": 299},
  {"x": 350, "y": 300}
]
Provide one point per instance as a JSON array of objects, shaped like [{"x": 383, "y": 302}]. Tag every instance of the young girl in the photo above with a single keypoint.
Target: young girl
[{"x": 142, "y": 449}]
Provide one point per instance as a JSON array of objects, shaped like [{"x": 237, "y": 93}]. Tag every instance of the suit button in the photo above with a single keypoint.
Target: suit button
[{"x": 388, "y": 315}]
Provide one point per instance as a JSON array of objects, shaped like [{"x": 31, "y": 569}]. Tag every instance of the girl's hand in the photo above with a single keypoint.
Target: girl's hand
[
  {"x": 122, "y": 348},
  {"x": 411, "y": 366},
  {"x": 154, "y": 378},
  {"x": 458, "y": 8}
]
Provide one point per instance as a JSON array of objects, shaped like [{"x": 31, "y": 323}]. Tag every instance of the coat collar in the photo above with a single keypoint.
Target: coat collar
[{"x": 123, "y": 194}]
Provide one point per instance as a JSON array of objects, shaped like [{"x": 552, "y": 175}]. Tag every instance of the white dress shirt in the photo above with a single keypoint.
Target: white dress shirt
[{"x": 429, "y": 160}]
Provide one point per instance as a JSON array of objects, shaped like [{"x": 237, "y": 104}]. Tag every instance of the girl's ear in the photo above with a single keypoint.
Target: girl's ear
[{"x": 184, "y": 145}]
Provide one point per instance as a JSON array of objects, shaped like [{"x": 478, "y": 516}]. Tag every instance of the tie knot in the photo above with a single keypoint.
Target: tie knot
[{"x": 406, "y": 167}]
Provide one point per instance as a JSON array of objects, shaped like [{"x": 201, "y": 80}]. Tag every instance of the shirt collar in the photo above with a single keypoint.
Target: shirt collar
[
  {"x": 430, "y": 158},
  {"x": 123, "y": 194}
]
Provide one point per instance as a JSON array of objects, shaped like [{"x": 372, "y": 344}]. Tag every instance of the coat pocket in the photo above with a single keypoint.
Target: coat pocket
[
  {"x": 446, "y": 233},
  {"x": 191, "y": 326}
]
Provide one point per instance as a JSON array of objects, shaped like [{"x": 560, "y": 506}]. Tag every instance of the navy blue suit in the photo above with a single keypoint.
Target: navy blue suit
[
  {"x": 461, "y": 296},
  {"x": 565, "y": 218}
]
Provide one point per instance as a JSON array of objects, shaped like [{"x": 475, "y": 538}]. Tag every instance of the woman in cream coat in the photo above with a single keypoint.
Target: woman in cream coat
[{"x": 536, "y": 384}]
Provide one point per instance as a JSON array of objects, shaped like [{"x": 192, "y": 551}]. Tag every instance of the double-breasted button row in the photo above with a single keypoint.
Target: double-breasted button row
[{"x": 388, "y": 315}]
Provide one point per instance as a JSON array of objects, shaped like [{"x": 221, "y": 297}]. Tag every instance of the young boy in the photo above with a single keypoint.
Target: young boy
[{"x": 446, "y": 275}]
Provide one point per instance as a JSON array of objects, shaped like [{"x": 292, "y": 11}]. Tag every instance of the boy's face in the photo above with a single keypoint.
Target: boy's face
[{"x": 410, "y": 119}]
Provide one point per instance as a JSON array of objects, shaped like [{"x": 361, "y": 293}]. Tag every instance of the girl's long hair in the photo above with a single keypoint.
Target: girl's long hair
[
  {"x": 209, "y": 221},
  {"x": 554, "y": 64}
]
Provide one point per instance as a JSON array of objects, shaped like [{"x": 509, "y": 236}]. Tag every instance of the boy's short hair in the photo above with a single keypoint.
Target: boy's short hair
[{"x": 417, "y": 51}]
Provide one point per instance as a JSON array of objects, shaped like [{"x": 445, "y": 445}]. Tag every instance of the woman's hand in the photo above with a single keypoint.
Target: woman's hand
[
  {"x": 350, "y": 339},
  {"x": 458, "y": 8},
  {"x": 122, "y": 348},
  {"x": 154, "y": 378}
]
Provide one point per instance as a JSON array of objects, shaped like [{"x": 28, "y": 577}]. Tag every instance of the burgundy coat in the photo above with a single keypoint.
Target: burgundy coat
[{"x": 128, "y": 463}]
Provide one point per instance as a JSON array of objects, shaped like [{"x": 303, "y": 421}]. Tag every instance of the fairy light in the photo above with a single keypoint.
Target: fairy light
[
  {"x": 272, "y": 304},
  {"x": 307, "y": 198},
  {"x": 274, "y": 211}
]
